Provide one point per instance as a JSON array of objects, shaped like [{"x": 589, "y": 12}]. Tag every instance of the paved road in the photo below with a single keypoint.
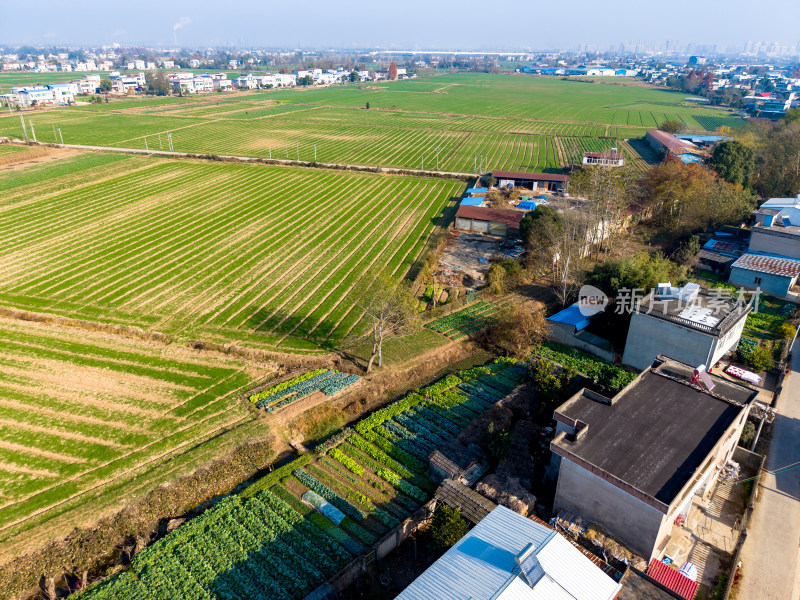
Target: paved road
[{"x": 770, "y": 554}]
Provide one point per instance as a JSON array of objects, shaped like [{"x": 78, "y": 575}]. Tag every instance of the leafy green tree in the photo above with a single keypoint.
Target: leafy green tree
[
  {"x": 539, "y": 227},
  {"x": 733, "y": 161},
  {"x": 748, "y": 433},
  {"x": 367, "y": 105},
  {"x": 353, "y": 76},
  {"x": 157, "y": 83},
  {"x": 672, "y": 126},
  {"x": 106, "y": 85},
  {"x": 642, "y": 271},
  {"x": 760, "y": 359},
  {"x": 447, "y": 526}
]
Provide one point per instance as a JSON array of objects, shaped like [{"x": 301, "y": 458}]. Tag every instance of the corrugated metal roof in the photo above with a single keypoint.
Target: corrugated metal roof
[
  {"x": 482, "y": 564},
  {"x": 471, "y": 202},
  {"x": 571, "y": 316},
  {"x": 669, "y": 577},
  {"x": 671, "y": 142},
  {"x": 476, "y": 190},
  {"x": 512, "y": 218},
  {"x": 774, "y": 265},
  {"x": 532, "y": 176}
]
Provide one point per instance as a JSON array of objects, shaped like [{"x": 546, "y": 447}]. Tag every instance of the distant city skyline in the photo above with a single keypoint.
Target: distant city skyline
[{"x": 447, "y": 25}]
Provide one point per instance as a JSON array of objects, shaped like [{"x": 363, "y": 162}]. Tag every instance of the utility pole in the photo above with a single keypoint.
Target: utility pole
[
  {"x": 422, "y": 158},
  {"x": 24, "y": 129},
  {"x": 298, "y": 151},
  {"x": 270, "y": 152},
  {"x": 33, "y": 131},
  {"x": 475, "y": 163},
  {"x": 437, "y": 157},
  {"x": 169, "y": 141},
  {"x": 146, "y": 149},
  {"x": 315, "y": 152},
  {"x": 160, "y": 145},
  {"x": 55, "y": 139},
  {"x": 60, "y": 135}
]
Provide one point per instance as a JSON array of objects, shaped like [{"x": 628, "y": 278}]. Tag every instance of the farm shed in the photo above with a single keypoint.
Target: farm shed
[
  {"x": 494, "y": 221},
  {"x": 532, "y": 181},
  {"x": 472, "y": 202},
  {"x": 775, "y": 275},
  {"x": 472, "y": 505},
  {"x": 457, "y": 461},
  {"x": 605, "y": 159},
  {"x": 476, "y": 191},
  {"x": 664, "y": 142}
]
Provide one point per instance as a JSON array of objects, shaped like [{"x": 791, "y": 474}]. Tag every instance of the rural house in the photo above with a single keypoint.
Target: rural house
[
  {"x": 776, "y": 275},
  {"x": 604, "y": 159},
  {"x": 689, "y": 324},
  {"x": 532, "y": 181},
  {"x": 510, "y": 557},
  {"x": 494, "y": 221},
  {"x": 669, "y": 145},
  {"x": 634, "y": 463}
]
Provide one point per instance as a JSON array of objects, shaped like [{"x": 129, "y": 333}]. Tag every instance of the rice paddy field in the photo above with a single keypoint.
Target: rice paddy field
[
  {"x": 441, "y": 123},
  {"x": 87, "y": 419},
  {"x": 222, "y": 251}
]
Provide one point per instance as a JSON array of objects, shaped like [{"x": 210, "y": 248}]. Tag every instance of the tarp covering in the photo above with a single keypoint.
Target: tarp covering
[
  {"x": 471, "y": 202},
  {"x": 527, "y": 205},
  {"x": 322, "y": 505}
]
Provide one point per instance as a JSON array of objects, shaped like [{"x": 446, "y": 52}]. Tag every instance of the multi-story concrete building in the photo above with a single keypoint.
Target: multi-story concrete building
[
  {"x": 689, "y": 324},
  {"x": 634, "y": 463}
]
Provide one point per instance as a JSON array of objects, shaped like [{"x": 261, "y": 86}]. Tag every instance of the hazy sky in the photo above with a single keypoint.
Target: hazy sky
[{"x": 416, "y": 24}]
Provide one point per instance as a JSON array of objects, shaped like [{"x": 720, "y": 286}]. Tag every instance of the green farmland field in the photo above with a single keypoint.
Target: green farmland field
[
  {"x": 440, "y": 122},
  {"x": 82, "y": 414},
  {"x": 269, "y": 254}
]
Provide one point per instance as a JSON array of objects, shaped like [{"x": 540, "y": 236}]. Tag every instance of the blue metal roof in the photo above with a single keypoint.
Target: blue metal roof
[
  {"x": 471, "y": 202},
  {"x": 527, "y": 205},
  {"x": 690, "y": 158},
  {"x": 477, "y": 190},
  {"x": 571, "y": 316},
  {"x": 482, "y": 566}
]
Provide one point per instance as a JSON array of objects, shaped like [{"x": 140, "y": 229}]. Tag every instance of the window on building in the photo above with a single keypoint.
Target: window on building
[{"x": 757, "y": 280}]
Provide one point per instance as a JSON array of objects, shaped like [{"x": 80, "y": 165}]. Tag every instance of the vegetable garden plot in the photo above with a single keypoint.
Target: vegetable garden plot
[
  {"x": 469, "y": 320},
  {"x": 327, "y": 381},
  {"x": 602, "y": 371},
  {"x": 292, "y": 530}
]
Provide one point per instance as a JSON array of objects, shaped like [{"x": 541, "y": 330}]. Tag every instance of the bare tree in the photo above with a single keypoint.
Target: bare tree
[{"x": 389, "y": 309}]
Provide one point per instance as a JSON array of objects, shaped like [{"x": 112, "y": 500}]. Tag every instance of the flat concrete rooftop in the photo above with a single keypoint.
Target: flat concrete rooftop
[{"x": 655, "y": 433}]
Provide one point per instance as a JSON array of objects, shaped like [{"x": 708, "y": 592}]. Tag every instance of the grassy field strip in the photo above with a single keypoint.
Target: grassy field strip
[
  {"x": 36, "y": 193},
  {"x": 48, "y": 426},
  {"x": 389, "y": 252},
  {"x": 332, "y": 262},
  {"x": 256, "y": 276},
  {"x": 264, "y": 303},
  {"x": 157, "y": 286},
  {"x": 172, "y": 242},
  {"x": 325, "y": 232},
  {"x": 32, "y": 223},
  {"x": 246, "y": 264},
  {"x": 37, "y": 181},
  {"x": 383, "y": 237},
  {"x": 321, "y": 313},
  {"x": 148, "y": 227},
  {"x": 347, "y": 319}
]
